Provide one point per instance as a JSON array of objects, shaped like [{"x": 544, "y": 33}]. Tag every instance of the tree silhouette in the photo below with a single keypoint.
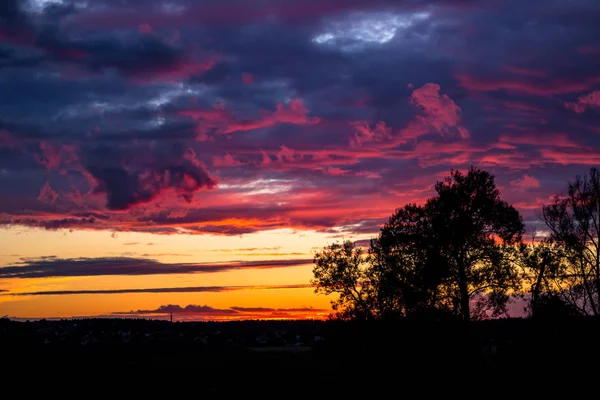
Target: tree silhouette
[
  {"x": 455, "y": 251},
  {"x": 342, "y": 269},
  {"x": 475, "y": 232},
  {"x": 544, "y": 270},
  {"x": 574, "y": 223},
  {"x": 407, "y": 268}
]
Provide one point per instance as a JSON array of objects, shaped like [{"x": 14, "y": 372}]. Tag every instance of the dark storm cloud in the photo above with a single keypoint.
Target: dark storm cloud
[
  {"x": 125, "y": 189},
  {"x": 47, "y": 267},
  {"x": 232, "y": 117}
]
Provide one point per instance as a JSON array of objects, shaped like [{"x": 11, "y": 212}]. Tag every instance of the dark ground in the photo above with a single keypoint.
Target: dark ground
[{"x": 303, "y": 358}]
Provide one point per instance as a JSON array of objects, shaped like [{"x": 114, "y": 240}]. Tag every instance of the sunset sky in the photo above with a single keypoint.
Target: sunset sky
[{"x": 191, "y": 156}]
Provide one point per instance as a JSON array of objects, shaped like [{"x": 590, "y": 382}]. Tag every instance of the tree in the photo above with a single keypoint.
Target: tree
[
  {"x": 574, "y": 223},
  {"x": 406, "y": 267},
  {"x": 342, "y": 269},
  {"x": 475, "y": 233},
  {"x": 546, "y": 273},
  {"x": 455, "y": 250}
]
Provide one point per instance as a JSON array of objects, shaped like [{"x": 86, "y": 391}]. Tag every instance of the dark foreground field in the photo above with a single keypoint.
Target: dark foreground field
[{"x": 306, "y": 358}]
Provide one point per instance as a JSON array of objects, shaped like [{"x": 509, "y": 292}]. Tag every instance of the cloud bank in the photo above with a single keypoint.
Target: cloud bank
[{"x": 227, "y": 118}]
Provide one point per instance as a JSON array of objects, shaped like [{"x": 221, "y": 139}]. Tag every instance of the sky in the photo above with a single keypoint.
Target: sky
[{"x": 189, "y": 157}]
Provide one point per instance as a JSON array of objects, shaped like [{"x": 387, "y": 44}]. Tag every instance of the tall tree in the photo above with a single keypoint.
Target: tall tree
[
  {"x": 453, "y": 251},
  {"x": 475, "y": 231},
  {"x": 574, "y": 223}
]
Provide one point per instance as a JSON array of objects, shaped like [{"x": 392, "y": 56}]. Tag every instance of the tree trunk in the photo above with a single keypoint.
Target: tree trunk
[
  {"x": 535, "y": 293},
  {"x": 597, "y": 290},
  {"x": 586, "y": 286},
  {"x": 463, "y": 287}
]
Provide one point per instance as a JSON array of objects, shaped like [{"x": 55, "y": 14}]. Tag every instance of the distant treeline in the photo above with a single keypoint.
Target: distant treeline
[{"x": 462, "y": 255}]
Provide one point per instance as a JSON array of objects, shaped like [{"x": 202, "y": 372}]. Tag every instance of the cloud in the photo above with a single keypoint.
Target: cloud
[
  {"x": 226, "y": 161},
  {"x": 292, "y": 113},
  {"x": 195, "y": 289},
  {"x": 56, "y": 267},
  {"x": 526, "y": 182},
  {"x": 204, "y": 312},
  {"x": 125, "y": 188},
  {"x": 316, "y": 115},
  {"x": 190, "y": 309},
  {"x": 439, "y": 111},
  {"x": 54, "y": 156},
  {"x": 583, "y": 103},
  {"x": 47, "y": 194},
  {"x": 544, "y": 87}
]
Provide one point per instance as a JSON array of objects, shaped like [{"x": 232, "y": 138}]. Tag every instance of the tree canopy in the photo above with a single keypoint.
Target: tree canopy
[{"x": 451, "y": 255}]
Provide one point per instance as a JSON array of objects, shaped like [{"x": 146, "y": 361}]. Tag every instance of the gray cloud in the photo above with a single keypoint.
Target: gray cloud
[
  {"x": 194, "y": 289},
  {"x": 55, "y": 267}
]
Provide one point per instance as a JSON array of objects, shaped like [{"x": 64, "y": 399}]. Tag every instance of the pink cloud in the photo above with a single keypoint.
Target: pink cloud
[
  {"x": 56, "y": 156},
  {"x": 294, "y": 113},
  {"x": 438, "y": 111},
  {"x": 47, "y": 194},
  {"x": 335, "y": 171},
  {"x": 526, "y": 182},
  {"x": 226, "y": 161},
  {"x": 225, "y": 123},
  {"x": 579, "y": 156},
  {"x": 583, "y": 103},
  {"x": 543, "y": 87},
  {"x": 365, "y": 133},
  {"x": 287, "y": 154},
  {"x": 551, "y": 139},
  {"x": 368, "y": 174}
]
